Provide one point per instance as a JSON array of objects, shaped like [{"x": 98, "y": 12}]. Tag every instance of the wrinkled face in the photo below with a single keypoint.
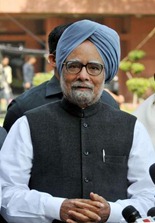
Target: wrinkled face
[{"x": 83, "y": 88}]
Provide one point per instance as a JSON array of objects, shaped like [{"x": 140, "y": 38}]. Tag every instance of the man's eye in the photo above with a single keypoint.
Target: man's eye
[
  {"x": 74, "y": 65},
  {"x": 94, "y": 67}
]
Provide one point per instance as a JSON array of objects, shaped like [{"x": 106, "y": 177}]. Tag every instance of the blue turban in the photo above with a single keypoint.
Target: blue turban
[{"x": 104, "y": 38}]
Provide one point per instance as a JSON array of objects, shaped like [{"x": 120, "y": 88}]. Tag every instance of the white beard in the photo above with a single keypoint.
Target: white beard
[
  {"x": 79, "y": 97},
  {"x": 82, "y": 98}
]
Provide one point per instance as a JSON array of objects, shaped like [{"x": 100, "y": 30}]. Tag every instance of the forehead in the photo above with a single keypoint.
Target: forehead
[
  {"x": 86, "y": 51},
  {"x": 5, "y": 59}
]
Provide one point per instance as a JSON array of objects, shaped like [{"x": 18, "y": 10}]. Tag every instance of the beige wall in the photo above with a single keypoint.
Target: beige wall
[{"x": 79, "y": 6}]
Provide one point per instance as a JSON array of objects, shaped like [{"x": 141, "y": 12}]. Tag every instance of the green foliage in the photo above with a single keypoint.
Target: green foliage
[
  {"x": 125, "y": 65},
  {"x": 39, "y": 78},
  {"x": 137, "y": 68},
  {"x": 138, "y": 86},
  {"x": 131, "y": 65},
  {"x": 135, "y": 55}
]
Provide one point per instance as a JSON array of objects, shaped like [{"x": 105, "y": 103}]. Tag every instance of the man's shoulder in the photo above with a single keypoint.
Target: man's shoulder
[
  {"x": 34, "y": 97},
  {"x": 47, "y": 91},
  {"x": 52, "y": 107},
  {"x": 149, "y": 103},
  {"x": 29, "y": 99},
  {"x": 108, "y": 99},
  {"x": 32, "y": 92},
  {"x": 35, "y": 89},
  {"x": 116, "y": 114}
]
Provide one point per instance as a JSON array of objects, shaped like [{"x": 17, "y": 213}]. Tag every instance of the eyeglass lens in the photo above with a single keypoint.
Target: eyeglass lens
[{"x": 92, "y": 68}]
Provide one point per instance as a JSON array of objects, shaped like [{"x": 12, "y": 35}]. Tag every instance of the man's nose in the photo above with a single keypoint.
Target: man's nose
[{"x": 83, "y": 74}]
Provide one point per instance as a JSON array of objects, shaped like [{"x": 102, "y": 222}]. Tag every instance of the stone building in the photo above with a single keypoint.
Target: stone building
[{"x": 25, "y": 23}]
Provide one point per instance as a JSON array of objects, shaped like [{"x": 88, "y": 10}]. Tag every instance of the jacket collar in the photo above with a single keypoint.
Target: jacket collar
[{"x": 77, "y": 111}]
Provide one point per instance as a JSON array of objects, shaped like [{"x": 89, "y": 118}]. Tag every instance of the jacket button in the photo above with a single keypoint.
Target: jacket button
[
  {"x": 85, "y": 125},
  {"x": 86, "y": 180},
  {"x": 86, "y": 153}
]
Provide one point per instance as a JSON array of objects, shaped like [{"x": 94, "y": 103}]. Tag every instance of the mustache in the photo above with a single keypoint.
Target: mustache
[{"x": 83, "y": 85}]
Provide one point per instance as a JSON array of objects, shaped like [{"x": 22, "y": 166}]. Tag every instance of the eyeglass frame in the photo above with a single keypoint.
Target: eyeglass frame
[{"x": 84, "y": 65}]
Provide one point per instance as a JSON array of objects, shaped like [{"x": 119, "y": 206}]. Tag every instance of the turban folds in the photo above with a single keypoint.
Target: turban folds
[{"x": 104, "y": 38}]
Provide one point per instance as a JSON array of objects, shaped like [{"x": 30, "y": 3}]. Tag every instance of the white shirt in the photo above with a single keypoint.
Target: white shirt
[
  {"x": 0, "y": 197},
  {"x": 22, "y": 205},
  {"x": 146, "y": 114}
]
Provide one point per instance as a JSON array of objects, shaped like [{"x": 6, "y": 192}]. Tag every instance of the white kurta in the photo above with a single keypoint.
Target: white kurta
[{"x": 146, "y": 114}]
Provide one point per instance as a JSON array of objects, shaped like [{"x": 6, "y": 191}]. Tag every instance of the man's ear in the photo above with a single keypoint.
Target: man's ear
[{"x": 51, "y": 60}]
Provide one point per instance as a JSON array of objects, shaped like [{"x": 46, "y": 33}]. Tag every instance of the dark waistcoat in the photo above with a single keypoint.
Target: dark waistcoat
[{"x": 78, "y": 151}]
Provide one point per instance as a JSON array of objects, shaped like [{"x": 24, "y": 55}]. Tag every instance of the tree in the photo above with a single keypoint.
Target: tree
[{"x": 132, "y": 67}]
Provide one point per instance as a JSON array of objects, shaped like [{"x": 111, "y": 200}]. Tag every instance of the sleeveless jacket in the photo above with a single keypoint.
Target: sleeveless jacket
[{"x": 78, "y": 151}]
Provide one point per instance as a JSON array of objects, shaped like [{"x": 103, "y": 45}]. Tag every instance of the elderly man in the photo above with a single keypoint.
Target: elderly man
[
  {"x": 49, "y": 91},
  {"x": 78, "y": 160}
]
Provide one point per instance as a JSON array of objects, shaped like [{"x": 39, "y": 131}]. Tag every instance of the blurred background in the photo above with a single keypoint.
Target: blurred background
[{"x": 25, "y": 25}]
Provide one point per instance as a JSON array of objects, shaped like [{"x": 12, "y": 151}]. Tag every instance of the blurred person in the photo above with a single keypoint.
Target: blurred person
[
  {"x": 48, "y": 91},
  {"x": 28, "y": 72},
  {"x": 8, "y": 76},
  {"x": 5, "y": 83},
  {"x": 68, "y": 159},
  {"x": 146, "y": 114},
  {"x": 7, "y": 69},
  {"x": 1, "y": 87}
]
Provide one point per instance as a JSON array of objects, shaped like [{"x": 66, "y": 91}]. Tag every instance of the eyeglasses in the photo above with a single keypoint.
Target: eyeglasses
[{"x": 75, "y": 67}]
